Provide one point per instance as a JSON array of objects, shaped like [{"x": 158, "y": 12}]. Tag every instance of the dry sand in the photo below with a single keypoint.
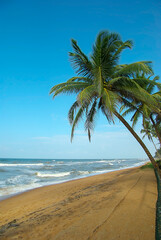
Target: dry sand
[{"x": 112, "y": 206}]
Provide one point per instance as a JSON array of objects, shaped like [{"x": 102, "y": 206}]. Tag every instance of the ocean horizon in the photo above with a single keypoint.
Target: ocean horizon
[{"x": 22, "y": 174}]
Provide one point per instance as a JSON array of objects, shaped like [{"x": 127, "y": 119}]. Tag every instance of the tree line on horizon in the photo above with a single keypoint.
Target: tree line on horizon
[{"x": 102, "y": 84}]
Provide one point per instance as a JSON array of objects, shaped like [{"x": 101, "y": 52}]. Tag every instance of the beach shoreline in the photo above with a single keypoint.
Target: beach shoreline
[
  {"x": 104, "y": 206},
  {"x": 3, "y": 197},
  {"x": 15, "y": 194}
]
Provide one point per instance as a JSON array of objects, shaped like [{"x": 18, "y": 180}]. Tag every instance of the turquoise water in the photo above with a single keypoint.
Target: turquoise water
[{"x": 18, "y": 175}]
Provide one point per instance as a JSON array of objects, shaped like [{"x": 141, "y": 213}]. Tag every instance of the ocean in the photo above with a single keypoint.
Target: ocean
[{"x": 19, "y": 175}]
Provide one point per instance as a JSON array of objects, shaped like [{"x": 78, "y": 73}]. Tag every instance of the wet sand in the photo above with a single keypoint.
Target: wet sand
[{"x": 117, "y": 205}]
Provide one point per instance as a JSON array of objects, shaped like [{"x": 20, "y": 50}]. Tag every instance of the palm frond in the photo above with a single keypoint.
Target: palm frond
[
  {"x": 71, "y": 112},
  {"x": 110, "y": 101},
  {"x": 77, "y": 118},
  {"x": 131, "y": 105},
  {"x": 58, "y": 86},
  {"x": 157, "y": 96},
  {"x": 86, "y": 95},
  {"x": 135, "y": 118},
  {"x": 79, "y": 79},
  {"x": 98, "y": 81},
  {"x": 103, "y": 50},
  {"x": 80, "y": 61},
  {"x": 129, "y": 88},
  {"x": 127, "y": 44},
  {"x": 128, "y": 111},
  {"x": 137, "y": 67},
  {"x": 107, "y": 114},
  {"x": 148, "y": 84},
  {"x": 89, "y": 135},
  {"x": 74, "y": 87},
  {"x": 89, "y": 123}
]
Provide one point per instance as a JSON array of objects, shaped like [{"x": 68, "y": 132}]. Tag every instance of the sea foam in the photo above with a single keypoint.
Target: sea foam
[
  {"x": 52, "y": 175},
  {"x": 20, "y": 164}
]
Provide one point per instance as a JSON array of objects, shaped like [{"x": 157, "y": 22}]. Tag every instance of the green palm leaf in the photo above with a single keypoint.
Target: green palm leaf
[
  {"x": 80, "y": 61},
  {"x": 74, "y": 87},
  {"x": 129, "y": 69},
  {"x": 89, "y": 123},
  {"x": 72, "y": 111},
  {"x": 86, "y": 95},
  {"x": 76, "y": 120},
  {"x": 127, "y": 44}
]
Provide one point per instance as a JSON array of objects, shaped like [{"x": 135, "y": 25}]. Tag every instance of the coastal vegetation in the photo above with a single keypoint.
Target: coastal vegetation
[
  {"x": 149, "y": 165},
  {"x": 103, "y": 84}
]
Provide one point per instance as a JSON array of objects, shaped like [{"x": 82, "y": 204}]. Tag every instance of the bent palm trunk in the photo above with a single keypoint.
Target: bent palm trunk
[{"x": 155, "y": 165}]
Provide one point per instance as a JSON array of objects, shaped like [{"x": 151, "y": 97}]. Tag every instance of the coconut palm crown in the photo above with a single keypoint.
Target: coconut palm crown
[{"x": 102, "y": 84}]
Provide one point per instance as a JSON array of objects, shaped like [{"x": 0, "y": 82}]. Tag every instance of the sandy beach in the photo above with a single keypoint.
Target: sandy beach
[{"x": 117, "y": 205}]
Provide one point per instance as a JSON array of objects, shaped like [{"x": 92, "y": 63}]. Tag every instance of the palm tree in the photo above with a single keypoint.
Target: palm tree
[
  {"x": 102, "y": 84},
  {"x": 141, "y": 109}
]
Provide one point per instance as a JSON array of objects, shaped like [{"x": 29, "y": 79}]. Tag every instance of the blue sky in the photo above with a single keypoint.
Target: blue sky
[{"x": 34, "y": 46}]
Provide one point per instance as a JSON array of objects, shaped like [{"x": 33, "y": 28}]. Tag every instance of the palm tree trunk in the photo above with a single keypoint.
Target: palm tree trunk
[{"x": 155, "y": 165}]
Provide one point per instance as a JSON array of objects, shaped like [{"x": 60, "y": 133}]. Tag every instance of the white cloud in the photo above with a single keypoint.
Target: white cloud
[
  {"x": 108, "y": 144},
  {"x": 103, "y": 145}
]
